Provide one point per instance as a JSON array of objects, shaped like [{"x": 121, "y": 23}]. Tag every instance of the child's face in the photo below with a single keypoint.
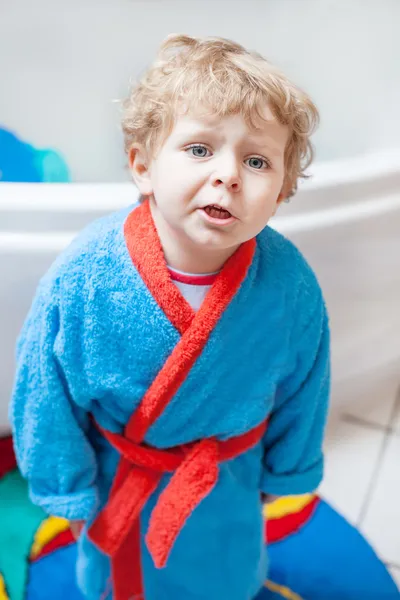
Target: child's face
[{"x": 210, "y": 164}]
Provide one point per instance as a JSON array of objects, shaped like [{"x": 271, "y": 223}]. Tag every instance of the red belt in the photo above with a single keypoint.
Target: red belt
[{"x": 116, "y": 530}]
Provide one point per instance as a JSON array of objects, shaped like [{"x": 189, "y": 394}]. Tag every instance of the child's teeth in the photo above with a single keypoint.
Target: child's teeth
[{"x": 217, "y": 213}]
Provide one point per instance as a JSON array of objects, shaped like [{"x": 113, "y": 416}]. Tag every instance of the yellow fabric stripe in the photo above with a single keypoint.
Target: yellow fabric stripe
[
  {"x": 3, "y": 593},
  {"x": 287, "y": 505},
  {"x": 282, "y": 590},
  {"x": 47, "y": 531}
]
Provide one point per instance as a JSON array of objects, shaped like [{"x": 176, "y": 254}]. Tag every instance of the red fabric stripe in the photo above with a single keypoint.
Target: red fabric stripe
[
  {"x": 278, "y": 529},
  {"x": 152, "y": 458},
  {"x": 145, "y": 249},
  {"x": 192, "y": 279},
  {"x": 62, "y": 539},
  {"x": 189, "y": 485},
  {"x": 123, "y": 508},
  {"x": 228, "y": 449},
  {"x": 146, "y": 252},
  {"x": 126, "y": 567}
]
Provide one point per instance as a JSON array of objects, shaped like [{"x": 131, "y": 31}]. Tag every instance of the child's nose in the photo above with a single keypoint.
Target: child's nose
[
  {"x": 228, "y": 175},
  {"x": 230, "y": 183}
]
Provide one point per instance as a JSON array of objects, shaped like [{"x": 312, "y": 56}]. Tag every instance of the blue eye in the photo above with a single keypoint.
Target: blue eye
[
  {"x": 256, "y": 163},
  {"x": 198, "y": 151}
]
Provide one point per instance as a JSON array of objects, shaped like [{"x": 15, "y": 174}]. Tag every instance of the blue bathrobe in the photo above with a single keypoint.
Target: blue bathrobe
[{"x": 94, "y": 341}]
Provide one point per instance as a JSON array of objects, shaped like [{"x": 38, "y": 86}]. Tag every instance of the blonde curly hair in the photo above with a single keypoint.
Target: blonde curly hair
[{"x": 222, "y": 78}]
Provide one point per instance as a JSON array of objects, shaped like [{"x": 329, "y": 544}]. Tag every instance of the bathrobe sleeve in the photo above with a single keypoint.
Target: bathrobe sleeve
[
  {"x": 293, "y": 456},
  {"x": 49, "y": 429}
]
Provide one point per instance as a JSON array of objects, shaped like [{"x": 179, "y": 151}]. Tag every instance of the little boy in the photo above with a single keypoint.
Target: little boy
[{"x": 174, "y": 367}]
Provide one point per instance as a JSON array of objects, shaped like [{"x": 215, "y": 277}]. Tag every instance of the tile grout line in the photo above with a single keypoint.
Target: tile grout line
[
  {"x": 379, "y": 460},
  {"x": 360, "y": 422},
  {"x": 356, "y": 420},
  {"x": 353, "y": 420}
]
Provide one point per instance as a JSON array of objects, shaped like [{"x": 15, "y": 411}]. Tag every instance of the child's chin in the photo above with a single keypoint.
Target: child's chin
[{"x": 212, "y": 240}]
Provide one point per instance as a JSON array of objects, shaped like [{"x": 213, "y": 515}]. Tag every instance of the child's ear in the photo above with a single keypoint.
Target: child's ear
[{"x": 140, "y": 168}]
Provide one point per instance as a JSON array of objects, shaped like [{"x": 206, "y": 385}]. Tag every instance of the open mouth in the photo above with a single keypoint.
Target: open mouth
[{"x": 216, "y": 212}]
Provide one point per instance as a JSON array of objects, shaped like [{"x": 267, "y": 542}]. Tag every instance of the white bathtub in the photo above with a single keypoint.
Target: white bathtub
[{"x": 346, "y": 220}]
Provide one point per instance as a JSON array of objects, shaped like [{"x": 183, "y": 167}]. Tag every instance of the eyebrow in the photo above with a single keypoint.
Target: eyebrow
[
  {"x": 271, "y": 148},
  {"x": 201, "y": 129}
]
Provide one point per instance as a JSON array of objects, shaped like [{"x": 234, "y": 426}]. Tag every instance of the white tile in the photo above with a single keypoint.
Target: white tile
[
  {"x": 382, "y": 520},
  {"x": 370, "y": 397},
  {"x": 395, "y": 573},
  {"x": 351, "y": 455}
]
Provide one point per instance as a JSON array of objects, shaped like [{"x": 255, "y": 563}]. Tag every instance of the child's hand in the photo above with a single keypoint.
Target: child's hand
[{"x": 76, "y": 528}]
